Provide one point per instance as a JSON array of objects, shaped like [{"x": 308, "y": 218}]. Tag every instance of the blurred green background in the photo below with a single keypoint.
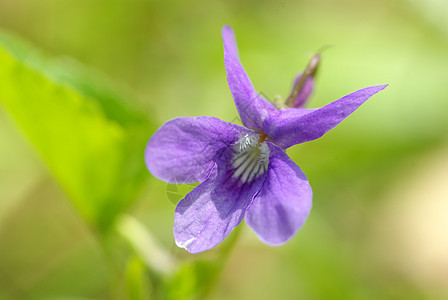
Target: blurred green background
[{"x": 80, "y": 215}]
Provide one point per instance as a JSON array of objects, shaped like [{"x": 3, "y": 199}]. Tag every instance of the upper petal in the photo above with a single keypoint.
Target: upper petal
[
  {"x": 183, "y": 149},
  {"x": 284, "y": 202},
  {"x": 291, "y": 126},
  {"x": 214, "y": 208},
  {"x": 251, "y": 107}
]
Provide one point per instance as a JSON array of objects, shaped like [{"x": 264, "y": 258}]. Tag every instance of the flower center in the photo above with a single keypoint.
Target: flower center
[{"x": 251, "y": 158}]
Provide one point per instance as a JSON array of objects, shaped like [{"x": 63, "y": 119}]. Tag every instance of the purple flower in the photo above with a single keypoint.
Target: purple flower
[{"x": 245, "y": 172}]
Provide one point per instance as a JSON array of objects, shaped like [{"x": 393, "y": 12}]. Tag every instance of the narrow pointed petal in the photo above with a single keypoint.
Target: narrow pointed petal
[
  {"x": 283, "y": 204},
  {"x": 210, "y": 212},
  {"x": 304, "y": 96},
  {"x": 291, "y": 126},
  {"x": 183, "y": 149},
  {"x": 251, "y": 107}
]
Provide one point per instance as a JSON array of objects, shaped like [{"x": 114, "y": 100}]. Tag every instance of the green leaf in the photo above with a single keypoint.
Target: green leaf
[{"x": 91, "y": 138}]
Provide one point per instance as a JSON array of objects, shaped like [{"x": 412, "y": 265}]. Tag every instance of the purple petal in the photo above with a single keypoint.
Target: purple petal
[
  {"x": 210, "y": 212},
  {"x": 251, "y": 107},
  {"x": 283, "y": 204},
  {"x": 291, "y": 126},
  {"x": 183, "y": 149},
  {"x": 305, "y": 94}
]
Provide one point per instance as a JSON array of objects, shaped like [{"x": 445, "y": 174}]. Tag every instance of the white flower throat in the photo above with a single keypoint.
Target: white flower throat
[{"x": 251, "y": 158}]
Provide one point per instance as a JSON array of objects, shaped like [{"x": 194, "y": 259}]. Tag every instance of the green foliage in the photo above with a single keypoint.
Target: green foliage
[
  {"x": 193, "y": 280},
  {"x": 89, "y": 136},
  {"x": 366, "y": 237},
  {"x": 137, "y": 287}
]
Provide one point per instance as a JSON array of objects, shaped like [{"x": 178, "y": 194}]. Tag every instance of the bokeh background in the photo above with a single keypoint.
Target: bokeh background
[{"x": 70, "y": 172}]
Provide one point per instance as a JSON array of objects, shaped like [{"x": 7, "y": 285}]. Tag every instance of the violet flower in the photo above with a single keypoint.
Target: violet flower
[{"x": 245, "y": 172}]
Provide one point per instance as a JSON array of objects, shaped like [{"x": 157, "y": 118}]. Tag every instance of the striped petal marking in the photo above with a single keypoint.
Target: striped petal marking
[{"x": 250, "y": 159}]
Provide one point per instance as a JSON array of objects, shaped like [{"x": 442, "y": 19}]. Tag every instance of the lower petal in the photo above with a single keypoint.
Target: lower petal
[
  {"x": 210, "y": 212},
  {"x": 283, "y": 204}
]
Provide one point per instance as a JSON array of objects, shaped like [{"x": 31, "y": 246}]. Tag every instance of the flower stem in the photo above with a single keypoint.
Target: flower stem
[
  {"x": 145, "y": 245},
  {"x": 220, "y": 262}
]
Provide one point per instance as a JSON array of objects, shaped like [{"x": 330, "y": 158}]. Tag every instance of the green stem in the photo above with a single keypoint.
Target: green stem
[
  {"x": 113, "y": 267},
  {"x": 224, "y": 254}
]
